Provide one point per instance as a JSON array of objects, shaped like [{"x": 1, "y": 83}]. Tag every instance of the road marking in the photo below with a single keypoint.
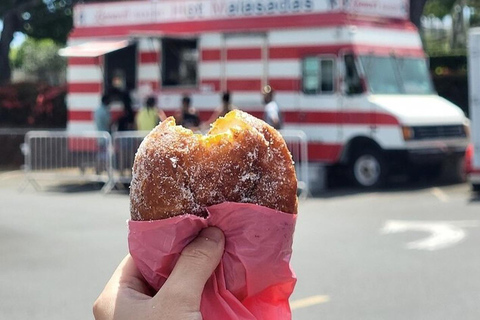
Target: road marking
[
  {"x": 441, "y": 195},
  {"x": 443, "y": 234},
  {"x": 307, "y": 302}
]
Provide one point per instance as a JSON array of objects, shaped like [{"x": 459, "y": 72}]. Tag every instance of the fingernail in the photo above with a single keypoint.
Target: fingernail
[{"x": 212, "y": 234}]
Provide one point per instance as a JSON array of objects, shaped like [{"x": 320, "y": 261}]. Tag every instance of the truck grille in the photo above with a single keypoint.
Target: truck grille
[{"x": 434, "y": 132}]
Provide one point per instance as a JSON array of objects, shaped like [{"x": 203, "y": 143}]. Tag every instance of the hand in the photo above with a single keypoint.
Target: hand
[{"x": 127, "y": 297}]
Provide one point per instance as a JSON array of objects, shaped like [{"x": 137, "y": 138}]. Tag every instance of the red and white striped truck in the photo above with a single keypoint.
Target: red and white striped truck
[{"x": 351, "y": 74}]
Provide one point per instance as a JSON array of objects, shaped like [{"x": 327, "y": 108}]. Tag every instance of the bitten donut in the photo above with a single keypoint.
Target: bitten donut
[{"x": 241, "y": 159}]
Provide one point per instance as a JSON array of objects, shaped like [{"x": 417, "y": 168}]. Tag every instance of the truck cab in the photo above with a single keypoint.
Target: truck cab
[{"x": 410, "y": 126}]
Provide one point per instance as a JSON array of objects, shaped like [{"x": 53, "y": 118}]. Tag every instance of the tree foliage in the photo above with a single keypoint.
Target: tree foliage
[
  {"x": 39, "y": 19},
  {"x": 462, "y": 13},
  {"x": 439, "y": 8},
  {"x": 442, "y": 8},
  {"x": 40, "y": 59}
]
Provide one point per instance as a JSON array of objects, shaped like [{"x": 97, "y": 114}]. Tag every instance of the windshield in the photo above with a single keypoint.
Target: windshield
[{"x": 396, "y": 75}]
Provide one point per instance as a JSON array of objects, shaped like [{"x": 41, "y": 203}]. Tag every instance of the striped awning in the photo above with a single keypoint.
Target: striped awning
[{"x": 93, "y": 49}]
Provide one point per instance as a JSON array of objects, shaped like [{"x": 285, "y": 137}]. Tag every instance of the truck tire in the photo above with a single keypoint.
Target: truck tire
[
  {"x": 368, "y": 168},
  {"x": 476, "y": 187}
]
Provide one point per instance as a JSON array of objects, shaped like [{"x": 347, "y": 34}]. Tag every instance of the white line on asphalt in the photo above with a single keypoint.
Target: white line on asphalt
[
  {"x": 443, "y": 234},
  {"x": 307, "y": 302},
  {"x": 442, "y": 196}
]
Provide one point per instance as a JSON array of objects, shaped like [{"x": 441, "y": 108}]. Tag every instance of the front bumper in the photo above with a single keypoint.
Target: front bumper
[
  {"x": 430, "y": 152},
  {"x": 425, "y": 154}
]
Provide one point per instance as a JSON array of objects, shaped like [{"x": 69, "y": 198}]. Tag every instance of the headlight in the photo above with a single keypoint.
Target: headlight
[{"x": 408, "y": 133}]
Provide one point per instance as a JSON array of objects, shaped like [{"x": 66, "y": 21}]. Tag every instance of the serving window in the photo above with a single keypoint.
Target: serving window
[
  {"x": 318, "y": 75},
  {"x": 179, "y": 62}
]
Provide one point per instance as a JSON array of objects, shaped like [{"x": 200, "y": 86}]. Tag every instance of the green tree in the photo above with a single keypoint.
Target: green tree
[
  {"x": 454, "y": 9},
  {"x": 40, "y": 59},
  {"x": 439, "y": 8},
  {"x": 37, "y": 18}
]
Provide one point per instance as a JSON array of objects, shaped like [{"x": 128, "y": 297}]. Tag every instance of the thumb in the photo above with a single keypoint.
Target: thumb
[{"x": 196, "y": 264}]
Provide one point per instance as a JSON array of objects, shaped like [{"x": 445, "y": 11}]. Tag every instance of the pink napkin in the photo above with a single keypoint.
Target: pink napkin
[{"x": 253, "y": 280}]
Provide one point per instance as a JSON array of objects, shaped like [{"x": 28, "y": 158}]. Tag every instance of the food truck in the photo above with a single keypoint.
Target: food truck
[
  {"x": 473, "y": 166},
  {"x": 351, "y": 74}
]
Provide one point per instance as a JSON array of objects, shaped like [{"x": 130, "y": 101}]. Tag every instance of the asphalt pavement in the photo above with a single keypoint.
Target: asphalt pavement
[{"x": 407, "y": 252}]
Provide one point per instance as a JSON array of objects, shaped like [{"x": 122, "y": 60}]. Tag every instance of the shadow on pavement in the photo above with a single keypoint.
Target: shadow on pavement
[
  {"x": 76, "y": 187},
  {"x": 341, "y": 186},
  {"x": 475, "y": 196}
]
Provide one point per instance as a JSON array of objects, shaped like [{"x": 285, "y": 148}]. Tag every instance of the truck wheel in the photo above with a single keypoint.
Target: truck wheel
[
  {"x": 368, "y": 168},
  {"x": 476, "y": 187}
]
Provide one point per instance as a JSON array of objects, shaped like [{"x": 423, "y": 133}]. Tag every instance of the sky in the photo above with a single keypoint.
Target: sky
[{"x": 18, "y": 38}]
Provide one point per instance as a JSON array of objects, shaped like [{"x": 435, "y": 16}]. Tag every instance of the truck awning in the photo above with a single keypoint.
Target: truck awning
[{"x": 93, "y": 49}]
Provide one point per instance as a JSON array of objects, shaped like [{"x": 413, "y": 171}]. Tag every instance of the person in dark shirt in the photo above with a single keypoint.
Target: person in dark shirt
[
  {"x": 187, "y": 116},
  {"x": 221, "y": 111}
]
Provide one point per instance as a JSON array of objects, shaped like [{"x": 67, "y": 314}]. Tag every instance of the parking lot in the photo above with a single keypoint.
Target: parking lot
[{"x": 407, "y": 252}]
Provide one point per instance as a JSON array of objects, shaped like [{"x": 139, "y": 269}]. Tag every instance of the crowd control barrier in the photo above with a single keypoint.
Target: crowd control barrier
[
  {"x": 125, "y": 145},
  {"x": 67, "y": 156},
  {"x": 97, "y": 156},
  {"x": 297, "y": 143}
]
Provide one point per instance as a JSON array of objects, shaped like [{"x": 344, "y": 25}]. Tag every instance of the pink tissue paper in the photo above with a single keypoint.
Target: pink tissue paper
[{"x": 253, "y": 280}]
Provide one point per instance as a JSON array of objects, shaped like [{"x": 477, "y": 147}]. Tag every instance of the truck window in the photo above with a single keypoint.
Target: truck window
[
  {"x": 414, "y": 75},
  {"x": 352, "y": 79},
  {"x": 179, "y": 62},
  {"x": 318, "y": 75},
  {"x": 396, "y": 75},
  {"x": 381, "y": 73},
  {"x": 120, "y": 71}
]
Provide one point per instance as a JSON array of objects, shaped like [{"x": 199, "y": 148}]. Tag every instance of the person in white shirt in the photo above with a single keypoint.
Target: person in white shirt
[{"x": 272, "y": 114}]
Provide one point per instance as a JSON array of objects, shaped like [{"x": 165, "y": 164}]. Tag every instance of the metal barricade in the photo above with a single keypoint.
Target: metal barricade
[
  {"x": 67, "y": 156},
  {"x": 125, "y": 145},
  {"x": 297, "y": 143},
  {"x": 96, "y": 156}
]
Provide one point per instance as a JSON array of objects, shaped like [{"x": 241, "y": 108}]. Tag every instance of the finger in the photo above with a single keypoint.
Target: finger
[
  {"x": 127, "y": 276},
  {"x": 131, "y": 278},
  {"x": 196, "y": 264},
  {"x": 104, "y": 306}
]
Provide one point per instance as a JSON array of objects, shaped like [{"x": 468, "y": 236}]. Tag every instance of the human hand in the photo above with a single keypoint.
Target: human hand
[{"x": 128, "y": 297}]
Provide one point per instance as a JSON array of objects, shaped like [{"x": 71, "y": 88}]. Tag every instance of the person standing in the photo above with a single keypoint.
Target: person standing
[
  {"x": 272, "y": 114},
  {"x": 187, "y": 116},
  {"x": 102, "y": 115},
  {"x": 225, "y": 108},
  {"x": 149, "y": 116},
  {"x": 126, "y": 121},
  {"x": 103, "y": 121}
]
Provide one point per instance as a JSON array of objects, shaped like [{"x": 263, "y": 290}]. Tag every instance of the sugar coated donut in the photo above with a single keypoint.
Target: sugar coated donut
[{"x": 241, "y": 159}]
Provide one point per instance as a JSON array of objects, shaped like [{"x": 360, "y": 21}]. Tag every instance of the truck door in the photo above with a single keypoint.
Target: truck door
[
  {"x": 319, "y": 106},
  {"x": 353, "y": 105},
  {"x": 244, "y": 68}
]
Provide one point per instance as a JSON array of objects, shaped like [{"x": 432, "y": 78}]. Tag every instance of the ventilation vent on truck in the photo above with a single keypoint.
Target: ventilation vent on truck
[{"x": 434, "y": 132}]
